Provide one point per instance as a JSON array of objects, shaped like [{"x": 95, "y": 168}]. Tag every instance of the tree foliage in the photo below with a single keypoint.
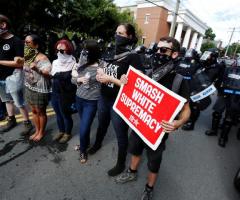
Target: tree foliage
[
  {"x": 233, "y": 49},
  {"x": 207, "y": 45},
  {"x": 209, "y": 34},
  {"x": 95, "y": 18}
]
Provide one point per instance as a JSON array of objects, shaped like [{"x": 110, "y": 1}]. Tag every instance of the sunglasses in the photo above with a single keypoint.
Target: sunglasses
[
  {"x": 164, "y": 49},
  {"x": 60, "y": 50},
  {"x": 27, "y": 42}
]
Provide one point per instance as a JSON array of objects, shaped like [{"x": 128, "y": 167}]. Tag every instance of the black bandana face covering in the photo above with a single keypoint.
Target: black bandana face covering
[
  {"x": 121, "y": 44},
  {"x": 160, "y": 60}
]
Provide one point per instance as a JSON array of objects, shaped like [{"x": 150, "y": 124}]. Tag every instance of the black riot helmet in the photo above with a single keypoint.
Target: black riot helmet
[
  {"x": 182, "y": 52},
  {"x": 152, "y": 48},
  {"x": 140, "y": 49},
  {"x": 210, "y": 56},
  {"x": 191, "y": 54}
]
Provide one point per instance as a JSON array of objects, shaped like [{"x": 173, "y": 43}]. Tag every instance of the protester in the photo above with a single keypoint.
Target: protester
[
  {"x": 125, "y": 39},
  {"x": 63, "y": 91},
  {"x": 88, "y": 92},
  {"x": 37, "y": 83},
  {"x": 11, "y": 77},
  {"x": 168, "y": 52}
]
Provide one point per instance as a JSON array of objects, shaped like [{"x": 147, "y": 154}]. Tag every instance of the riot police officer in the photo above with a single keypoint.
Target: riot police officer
[
  {"x": 202, "y": 81},
  {"x": 230, "y": 99}
]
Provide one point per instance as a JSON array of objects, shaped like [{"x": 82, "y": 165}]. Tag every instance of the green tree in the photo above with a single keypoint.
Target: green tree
[
  {"x": 209, "y": 34},
  {"x": 94, "y": 18},
  {"x": 207, "y": 45},
  {"x": 233, "y": 49}
]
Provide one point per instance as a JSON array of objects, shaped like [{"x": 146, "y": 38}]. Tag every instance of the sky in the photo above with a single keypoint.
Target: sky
[{"x": 221, "y": 15}]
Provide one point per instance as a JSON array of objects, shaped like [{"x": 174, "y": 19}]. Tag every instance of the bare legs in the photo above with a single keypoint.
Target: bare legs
[{"x": 40, "y": 121}]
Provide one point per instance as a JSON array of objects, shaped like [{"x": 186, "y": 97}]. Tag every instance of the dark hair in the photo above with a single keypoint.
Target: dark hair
[
  {"x": 37, "y": 40},
  {"x": 175, "y": 43},
  {"x": 68, "y": 44},
  {"x": 5, "y": 19},
  {"x": 130, "y": 30},
  {"x": 93, "y": 51}
]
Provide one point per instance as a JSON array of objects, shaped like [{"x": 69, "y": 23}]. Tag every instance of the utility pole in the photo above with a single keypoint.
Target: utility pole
[
  {"x": 173, "y": 25},
  {"x": 229, "y": 42}
]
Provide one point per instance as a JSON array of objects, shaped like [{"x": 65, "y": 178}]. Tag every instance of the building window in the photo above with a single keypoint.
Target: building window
[
  {"x": 143, "y": 39},
  {"x": 146, "y": 21}
]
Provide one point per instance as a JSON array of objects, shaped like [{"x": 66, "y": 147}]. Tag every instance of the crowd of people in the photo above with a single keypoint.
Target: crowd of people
[{"x": 29, "y": 77}]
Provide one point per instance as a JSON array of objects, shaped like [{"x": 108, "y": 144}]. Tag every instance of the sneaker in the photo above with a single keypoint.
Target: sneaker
[
  {"x": 58, "y": 136},
  {"x": 66, "y": 137},
  {"x": 27, "y": 128},
  {"x": 83, "y": 157},
  {"x": 126, "y": 177},
  {"x": 11, "y": 123},
  {"x": 147, "y": 194}
]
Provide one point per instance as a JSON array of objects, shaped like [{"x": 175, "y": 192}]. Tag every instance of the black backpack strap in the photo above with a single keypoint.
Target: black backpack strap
[{"x": 177, "y": 83}]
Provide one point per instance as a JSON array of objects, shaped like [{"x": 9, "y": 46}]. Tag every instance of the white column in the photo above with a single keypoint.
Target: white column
[
  {"x": 199, "y": 44},
  {"x": 194, "y": 40},
  {"x": 187, "y": 38},
  {"x": 179, "y": 32}
]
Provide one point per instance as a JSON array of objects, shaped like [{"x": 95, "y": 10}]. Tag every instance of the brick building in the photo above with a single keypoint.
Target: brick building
[{"x": 154, "y": 20}]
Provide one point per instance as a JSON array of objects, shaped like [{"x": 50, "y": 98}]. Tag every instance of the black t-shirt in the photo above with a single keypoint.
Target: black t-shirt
[
  {"x": 10, "y": 48},
  {"x": 167, "y": 82},
  {"x": 184, "y": 90},
  {"x": 117, "y": 69}
]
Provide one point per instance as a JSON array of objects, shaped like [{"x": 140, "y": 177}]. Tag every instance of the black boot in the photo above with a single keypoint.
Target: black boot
[
  {"x": 216, "y": 117},
  {"x": 120, "y": 166},
  {"x": 224, "y": 134},
  {"x": 188, "y": 126}
]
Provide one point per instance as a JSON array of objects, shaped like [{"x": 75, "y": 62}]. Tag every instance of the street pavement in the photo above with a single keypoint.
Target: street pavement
[{"x": 194, "y": 167}]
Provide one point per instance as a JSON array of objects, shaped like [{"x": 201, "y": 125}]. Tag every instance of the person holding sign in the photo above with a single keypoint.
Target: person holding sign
[
  {"x": 163, "y": 65},
  {"x": 125, "y": 39}
]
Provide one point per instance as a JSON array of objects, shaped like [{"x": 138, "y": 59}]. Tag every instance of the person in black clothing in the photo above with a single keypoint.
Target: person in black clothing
[
  {"x": 125, "y": 39},
  {"x": 164, "y": 73},
  {"x": 63, "y": 91},
  {"x": 209, "y": 73},
  {"x": 11, "y": 79},
  {"x": 228, "y": 100}
]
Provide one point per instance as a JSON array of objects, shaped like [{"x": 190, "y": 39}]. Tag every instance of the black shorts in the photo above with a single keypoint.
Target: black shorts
[{"x": 136, "y": 147}]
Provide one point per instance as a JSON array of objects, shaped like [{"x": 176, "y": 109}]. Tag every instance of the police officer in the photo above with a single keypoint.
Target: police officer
[
  {"x": 230, "y": 101},
  {"x": 203, "y": 78}
]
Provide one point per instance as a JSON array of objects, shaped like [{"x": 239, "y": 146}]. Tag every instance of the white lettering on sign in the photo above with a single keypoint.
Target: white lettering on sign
[
  {"x": 148, "y": 89},
  {"x": 140, "y": 113}
]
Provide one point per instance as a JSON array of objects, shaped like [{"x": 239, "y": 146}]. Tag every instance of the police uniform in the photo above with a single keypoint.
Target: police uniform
[
  {"x": 230, "y": 101},
  {"x": 204, "y": 77}
]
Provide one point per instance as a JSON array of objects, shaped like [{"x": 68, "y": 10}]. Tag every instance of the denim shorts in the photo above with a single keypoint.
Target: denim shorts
[{"x": 16, "y": 97}]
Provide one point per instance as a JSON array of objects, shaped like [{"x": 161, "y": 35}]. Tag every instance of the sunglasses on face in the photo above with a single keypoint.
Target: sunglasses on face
[
  {"x": 27, "y": 42},
  {"x": 164, "y": 49},
  {"x": 60, "y": 50}
]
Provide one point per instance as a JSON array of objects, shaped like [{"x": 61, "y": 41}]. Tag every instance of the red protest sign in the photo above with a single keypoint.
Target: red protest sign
[{"x": 144, "y": 103}]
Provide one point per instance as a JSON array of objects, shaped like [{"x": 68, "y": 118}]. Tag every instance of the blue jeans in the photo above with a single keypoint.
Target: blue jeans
[
  {"x": 64, "y": 117},
  {"x": 87, "y": 110},
  {"x": 107, "y": 114}
]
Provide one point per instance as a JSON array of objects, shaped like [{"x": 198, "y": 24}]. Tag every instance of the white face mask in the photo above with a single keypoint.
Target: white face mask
[{"x": 63, "y": 56}]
